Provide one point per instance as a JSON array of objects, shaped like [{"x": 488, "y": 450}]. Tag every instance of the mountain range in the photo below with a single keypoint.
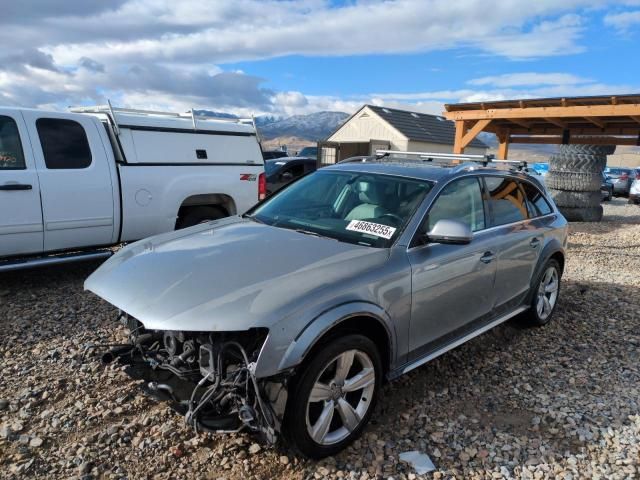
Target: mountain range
[
  {"x": 311, "y": 127},
  {"x": 301, "y": 130}
]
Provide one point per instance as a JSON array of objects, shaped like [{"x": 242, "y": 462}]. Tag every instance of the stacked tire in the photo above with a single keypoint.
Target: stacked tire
[{"x": 574, "y": 180}]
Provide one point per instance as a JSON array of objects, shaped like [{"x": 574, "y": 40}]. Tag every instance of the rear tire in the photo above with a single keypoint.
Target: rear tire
[
  {"x": 323, "y": 417},
  {"x": 541, "y": 311},
  {"x": 202, "y": 214}
]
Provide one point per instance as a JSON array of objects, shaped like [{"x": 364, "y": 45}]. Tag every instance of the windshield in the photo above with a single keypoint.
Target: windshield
[{"x": 353, "y": 207}]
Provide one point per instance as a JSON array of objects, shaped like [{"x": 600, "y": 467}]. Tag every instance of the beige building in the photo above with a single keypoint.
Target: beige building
[
  {"x": 625, "y": 157},
  {"x": 380, "y": 128}
]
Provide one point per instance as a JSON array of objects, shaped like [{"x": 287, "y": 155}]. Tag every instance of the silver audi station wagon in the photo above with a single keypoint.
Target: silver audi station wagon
[{"x": 287, "y": 319}]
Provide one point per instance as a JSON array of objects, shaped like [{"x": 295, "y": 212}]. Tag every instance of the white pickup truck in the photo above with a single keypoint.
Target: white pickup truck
[{"x": 72, "y": 184}]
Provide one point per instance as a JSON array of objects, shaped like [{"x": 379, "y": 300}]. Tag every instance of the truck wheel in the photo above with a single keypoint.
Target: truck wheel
[
  {"x": 202, "y": 214},
  {"x": 585, "y": 214},
  {"x": 578, "y": 162},
  {"x": 588, "y": 149},
  {"x": 334, "y": 396},
  {"x": 573, "y": 181},
  {"x": 564, "y": 198}
]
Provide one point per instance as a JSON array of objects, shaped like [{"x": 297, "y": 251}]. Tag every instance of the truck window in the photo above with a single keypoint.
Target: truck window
[
  {"x": 64, "y": 143},
  {"x": 11, "y": 155}
]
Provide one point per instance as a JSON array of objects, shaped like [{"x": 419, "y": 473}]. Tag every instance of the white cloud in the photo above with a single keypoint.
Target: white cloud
[
  {"x": 529, "y": 79},
  {"x": 622, "y": 21},
  {"x": 171, "y": 54}
]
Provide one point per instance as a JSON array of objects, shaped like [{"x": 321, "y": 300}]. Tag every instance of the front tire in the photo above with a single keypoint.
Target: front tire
[
  {"x": 334, "y": 396},
  {"x": 545, "y": 295}
]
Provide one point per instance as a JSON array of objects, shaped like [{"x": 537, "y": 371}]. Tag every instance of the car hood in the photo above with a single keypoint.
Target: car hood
[{"x": 232, "y": 274}]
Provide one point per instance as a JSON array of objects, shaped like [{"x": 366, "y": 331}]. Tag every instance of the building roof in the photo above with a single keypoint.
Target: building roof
[
  {"x": 421, "y": 127},
  {"x": 592, "y": 100},
  {"x": 595, "y": 120}
]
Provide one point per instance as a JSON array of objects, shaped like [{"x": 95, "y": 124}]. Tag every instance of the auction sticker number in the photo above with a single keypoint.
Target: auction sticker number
[{"x": 376, "y": 229}]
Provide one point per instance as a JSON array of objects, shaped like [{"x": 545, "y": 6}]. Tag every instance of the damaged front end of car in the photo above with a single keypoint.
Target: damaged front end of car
[{"x": 209, "y": 377}]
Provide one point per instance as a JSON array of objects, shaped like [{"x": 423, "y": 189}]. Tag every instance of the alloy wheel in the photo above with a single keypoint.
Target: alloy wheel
[
  {"x": 547, "y": 293},
  {"x": 340, "y": 398}
]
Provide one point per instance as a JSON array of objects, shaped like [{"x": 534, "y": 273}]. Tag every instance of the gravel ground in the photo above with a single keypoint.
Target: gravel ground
[{"x": 561, "y": 401}]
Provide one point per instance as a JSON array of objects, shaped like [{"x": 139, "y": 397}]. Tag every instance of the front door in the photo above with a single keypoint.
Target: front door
[
  {"x": 452, "y": 285},
  {"x": 75, "y": 180},
  {"x": 20, "y": 210}
]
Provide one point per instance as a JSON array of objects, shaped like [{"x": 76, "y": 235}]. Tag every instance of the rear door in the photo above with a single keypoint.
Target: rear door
[
  {"x": 20, "y": 210},
  {"x": 75, "y": 179},
  {"x": 517, "y": 239}
]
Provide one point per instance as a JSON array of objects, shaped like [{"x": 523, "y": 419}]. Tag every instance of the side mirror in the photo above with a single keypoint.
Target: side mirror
[
  {"x": 451, "y": 232},
  {"x": 286, "y": 176}
]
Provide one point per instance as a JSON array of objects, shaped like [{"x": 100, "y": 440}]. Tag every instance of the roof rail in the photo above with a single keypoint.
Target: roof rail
[
  {"x": 453, "y": 159},
  {"x": 108, "y": 109}
]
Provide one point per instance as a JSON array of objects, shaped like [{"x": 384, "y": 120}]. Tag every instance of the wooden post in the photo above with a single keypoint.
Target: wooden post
[
  {"x": 503, "y": 148},
  {"x": 461, "y": 128}
]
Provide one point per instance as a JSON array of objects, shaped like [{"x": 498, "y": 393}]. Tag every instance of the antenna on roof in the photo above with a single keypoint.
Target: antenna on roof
[{"x": 116, "y": 129}]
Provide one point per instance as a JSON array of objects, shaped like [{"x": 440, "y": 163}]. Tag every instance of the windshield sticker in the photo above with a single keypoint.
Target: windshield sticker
[{"x": 371, "y": 228}]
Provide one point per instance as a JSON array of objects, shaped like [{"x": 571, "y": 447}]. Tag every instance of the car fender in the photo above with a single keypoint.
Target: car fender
[
  {"x": 271, "y": 362},
  {"x": 552, "y": 247}
]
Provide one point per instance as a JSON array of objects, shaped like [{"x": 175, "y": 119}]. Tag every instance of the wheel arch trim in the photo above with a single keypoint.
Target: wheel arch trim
[
  {"x": 315, "y": 330},
  {"x": 552, "y": 248}
]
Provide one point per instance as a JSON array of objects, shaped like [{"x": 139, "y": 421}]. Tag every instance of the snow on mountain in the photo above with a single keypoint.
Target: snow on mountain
[
  {"x": 311, "y": 127},
  {"x": 314, "y": 126}
]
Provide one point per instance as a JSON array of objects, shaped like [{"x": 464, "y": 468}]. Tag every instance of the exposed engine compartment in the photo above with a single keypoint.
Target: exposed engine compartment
[{"x": 209, "y": 377}]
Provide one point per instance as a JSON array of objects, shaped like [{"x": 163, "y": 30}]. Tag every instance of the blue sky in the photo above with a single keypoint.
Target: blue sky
[{"x": 287, "y": 57}]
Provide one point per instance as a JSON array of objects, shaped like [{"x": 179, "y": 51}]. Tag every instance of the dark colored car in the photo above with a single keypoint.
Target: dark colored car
[
  {"x": 622, "y": 178},
  {"x": 309, "y": 152},
  {"x": 272, "y": 154},
  {"x": 606, "y": 189},
  {"x": 284, "y": 170}
]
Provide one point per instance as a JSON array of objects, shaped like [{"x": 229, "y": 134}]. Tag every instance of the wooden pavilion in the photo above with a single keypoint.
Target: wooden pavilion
[{"x": 597, "y": 120}]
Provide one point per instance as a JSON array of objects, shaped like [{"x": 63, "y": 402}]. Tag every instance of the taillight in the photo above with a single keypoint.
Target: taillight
[
  {"x": 637, "y": 175},
  {"x": 624, "y": 176},
  {"x": 262, "y": 186}
]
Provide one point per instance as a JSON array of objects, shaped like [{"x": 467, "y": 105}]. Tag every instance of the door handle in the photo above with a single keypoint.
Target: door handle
[
  {"x": 487, "y": 257},
  {"x": 534, "y": 243},
  {"x": 15, "y": 186}
]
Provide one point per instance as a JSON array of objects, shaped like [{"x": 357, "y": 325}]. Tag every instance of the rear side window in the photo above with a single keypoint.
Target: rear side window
[
  {"x": 538, "y": 206},
  {"x": 460, "y": 200},
  {"x": 64, "y": 143},
  {"x": 506, "y": 199},
  {"x": 11, "y": 155}
]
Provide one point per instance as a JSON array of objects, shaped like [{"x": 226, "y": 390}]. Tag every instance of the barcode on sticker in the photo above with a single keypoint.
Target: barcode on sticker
[{"x": 371, "y": 228}]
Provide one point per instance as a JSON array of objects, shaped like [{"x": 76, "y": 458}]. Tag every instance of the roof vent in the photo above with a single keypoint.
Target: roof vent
[
  {"x": 415, "y": 115},
  {"x": 364, "y": 115},
  {"x": 386, "y": 110},
  {"x": 442, "y": 119}
]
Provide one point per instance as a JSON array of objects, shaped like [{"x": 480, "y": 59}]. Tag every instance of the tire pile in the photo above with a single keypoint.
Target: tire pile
[{"x": 574, "y": 180}]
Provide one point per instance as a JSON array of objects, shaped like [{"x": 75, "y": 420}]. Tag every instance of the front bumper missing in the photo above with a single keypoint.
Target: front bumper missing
[{"x": 207, "y": 377}]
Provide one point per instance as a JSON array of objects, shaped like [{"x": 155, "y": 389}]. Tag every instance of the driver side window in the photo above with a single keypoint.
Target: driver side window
[{"x": 460, "y": 200}]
